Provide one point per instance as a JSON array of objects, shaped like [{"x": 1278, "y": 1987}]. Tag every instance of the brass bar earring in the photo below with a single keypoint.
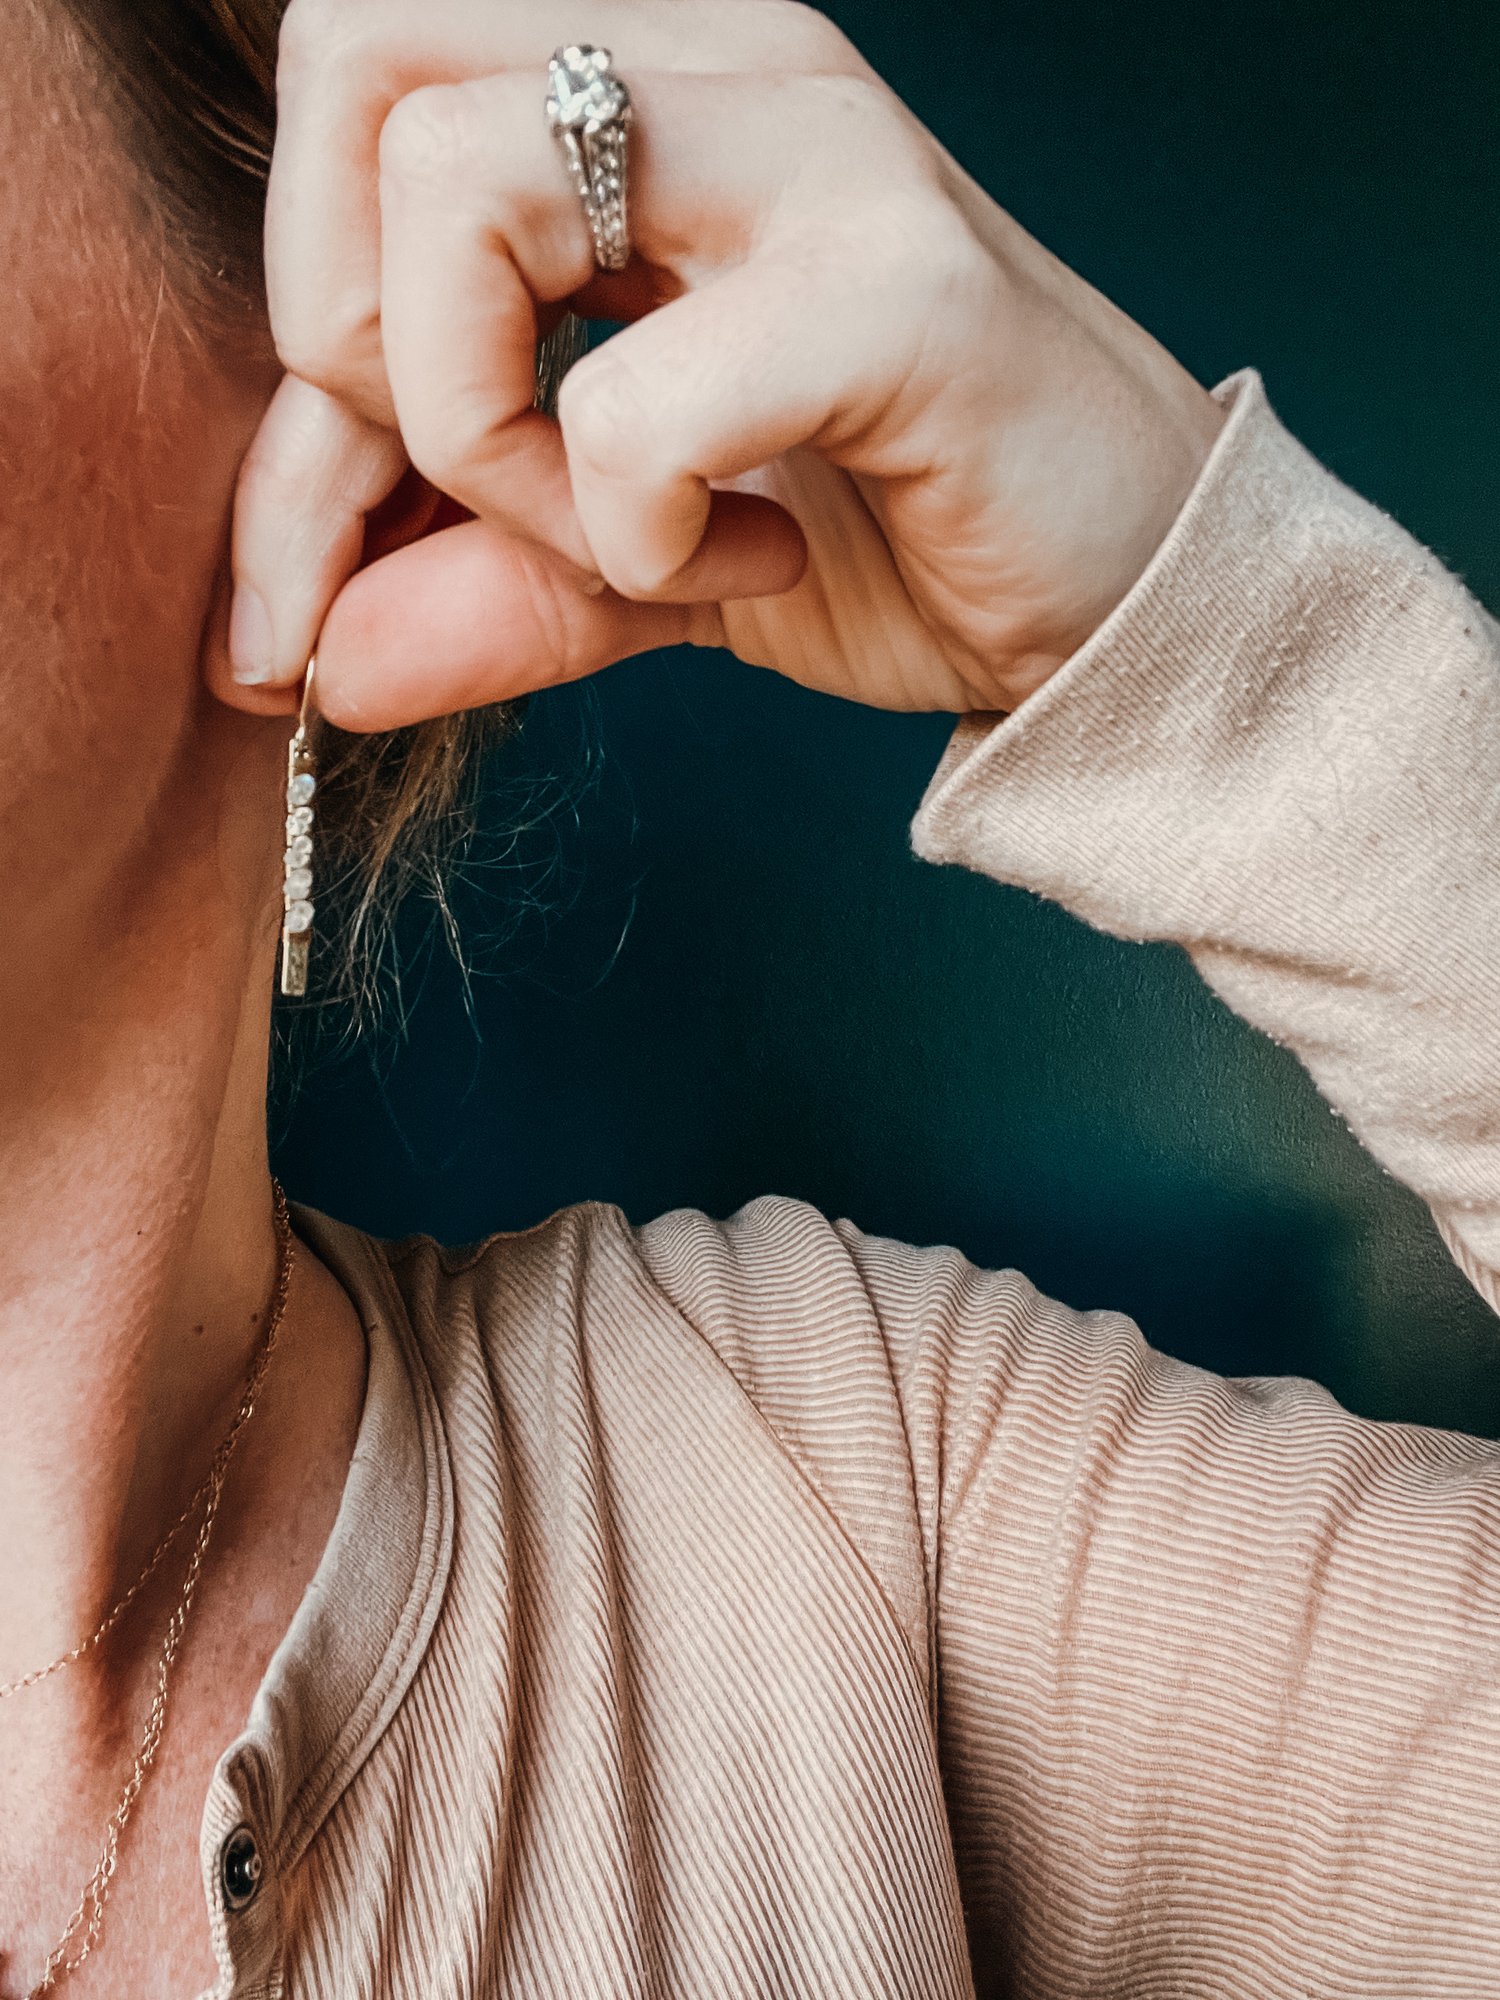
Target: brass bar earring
[
  {"x": 297, "y": 880},
  {"x": 555, "y": 355}
]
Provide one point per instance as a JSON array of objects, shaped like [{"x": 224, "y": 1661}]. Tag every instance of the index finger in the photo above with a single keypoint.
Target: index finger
[
  {"x": 344, "y": 64},
  {"x": 314, "y": 471}
]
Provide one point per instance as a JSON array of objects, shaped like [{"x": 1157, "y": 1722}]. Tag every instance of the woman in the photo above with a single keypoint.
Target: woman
[{"x": 716, "y": 1608}]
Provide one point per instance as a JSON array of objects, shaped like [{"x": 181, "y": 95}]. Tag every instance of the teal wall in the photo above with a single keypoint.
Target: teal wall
[{"x": 709, "y": 967}]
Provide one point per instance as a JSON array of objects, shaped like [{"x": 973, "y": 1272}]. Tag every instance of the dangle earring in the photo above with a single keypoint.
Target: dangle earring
[
  {"x": 555, "y": 355},
  {"x": 297, "y": 881}
]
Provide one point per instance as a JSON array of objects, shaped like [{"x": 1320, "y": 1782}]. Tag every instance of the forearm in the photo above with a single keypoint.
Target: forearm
[{"x": 1280, "y": 752}]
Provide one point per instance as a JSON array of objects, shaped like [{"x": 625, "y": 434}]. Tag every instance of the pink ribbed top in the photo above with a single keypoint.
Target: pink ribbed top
[{"x": 754, "y": 1610}]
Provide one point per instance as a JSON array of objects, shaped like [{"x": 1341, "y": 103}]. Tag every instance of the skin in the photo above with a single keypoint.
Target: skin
[
  {"x": 140, "y": 825},
  {"x": 937, "y": 461}
]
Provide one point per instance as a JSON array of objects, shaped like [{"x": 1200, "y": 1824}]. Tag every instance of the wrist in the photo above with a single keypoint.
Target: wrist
[{"x": 1126, "y": 441}]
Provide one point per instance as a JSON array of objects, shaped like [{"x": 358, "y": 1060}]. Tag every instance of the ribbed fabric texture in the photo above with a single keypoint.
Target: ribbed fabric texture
[
  {"x": 759, "y": 1611},
  {"x": 1283, "y": 752}
]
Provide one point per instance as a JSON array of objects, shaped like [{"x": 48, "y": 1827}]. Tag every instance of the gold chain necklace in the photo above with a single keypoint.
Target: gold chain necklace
[{"x": 81, "y": 1934}]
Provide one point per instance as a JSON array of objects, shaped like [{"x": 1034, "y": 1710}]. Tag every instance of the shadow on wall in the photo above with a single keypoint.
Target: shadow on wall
[{"x": 735, "y": 979}]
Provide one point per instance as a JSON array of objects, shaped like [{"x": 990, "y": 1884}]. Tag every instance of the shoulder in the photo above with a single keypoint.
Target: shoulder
[
  {"x": 819, "y": 1323},
  {"x": 776, "y": 1317},
  {"x": 775, "y": 1292},
  {"x": 776, "y": 1274},
  {"x": 771, "y": 1286}
]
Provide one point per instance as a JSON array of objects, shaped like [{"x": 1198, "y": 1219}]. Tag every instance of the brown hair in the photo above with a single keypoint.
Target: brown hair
[{"x": 192, "y": 84}]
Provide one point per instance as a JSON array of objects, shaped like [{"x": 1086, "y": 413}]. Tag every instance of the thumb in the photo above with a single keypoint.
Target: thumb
[{"x": 471, "y": 615}]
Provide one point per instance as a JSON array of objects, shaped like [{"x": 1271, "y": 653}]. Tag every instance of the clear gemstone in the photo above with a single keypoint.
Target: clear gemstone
[
  {"x": 298, "y": 851},
  {"x": 298, "y": 884},
  {"x": 301, "y": 788},
  {"x": 299, "y": 917},
  {"x": 299, "y": 821},
  {"x": 581, "y": 90}
]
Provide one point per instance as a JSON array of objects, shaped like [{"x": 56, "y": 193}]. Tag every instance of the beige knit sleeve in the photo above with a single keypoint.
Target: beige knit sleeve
[
  {"x": 1218, "y": 1663},
  {"x": 1283, "y": 753}
]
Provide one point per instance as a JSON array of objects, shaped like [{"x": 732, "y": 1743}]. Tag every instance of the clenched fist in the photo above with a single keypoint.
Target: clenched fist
[{"x": 858, "y": 426}]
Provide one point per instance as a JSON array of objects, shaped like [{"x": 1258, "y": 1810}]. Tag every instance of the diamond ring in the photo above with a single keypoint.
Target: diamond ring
[{"x": 589, "y": 111}]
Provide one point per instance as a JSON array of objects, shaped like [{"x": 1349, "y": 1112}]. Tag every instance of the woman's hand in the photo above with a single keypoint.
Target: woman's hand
[{"x": 860, "y": 427}]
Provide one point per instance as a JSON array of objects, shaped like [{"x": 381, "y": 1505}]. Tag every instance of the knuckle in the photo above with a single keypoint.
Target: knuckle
[
  {"x": 448, "y": 443},
  {"x": 917, "y": 247},
  {"x": 336, "y": 348},
  {"x": 931, "y": 240},
  {"x": 316, "y": 34},
  {"x": 805, "y": 35},
  {"x": 608, "y": 417},
  {"x": 302, "y": 349},
  {"x": 425, "y": 136},
  {"x": 849, "y": 109}
]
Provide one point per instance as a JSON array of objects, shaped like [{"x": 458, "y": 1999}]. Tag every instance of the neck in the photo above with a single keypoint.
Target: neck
[{"x": 137, "y": 1246}]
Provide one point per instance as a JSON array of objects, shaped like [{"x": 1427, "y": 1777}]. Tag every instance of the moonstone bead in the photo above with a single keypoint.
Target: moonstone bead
[
  {"x": 298, "y": 884},
  {"x": 300, "y": 789},
  {"x": 299, "y": 821},
  {"x": 299, "y": 917},
  {"x": 298, "y": 851}
]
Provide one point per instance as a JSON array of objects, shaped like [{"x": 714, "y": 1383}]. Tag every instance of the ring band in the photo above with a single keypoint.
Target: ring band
[{"x": 589, "y": 111}]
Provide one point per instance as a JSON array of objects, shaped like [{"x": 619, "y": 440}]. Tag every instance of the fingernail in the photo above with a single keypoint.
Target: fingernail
[{"x": 250, "y": 638}]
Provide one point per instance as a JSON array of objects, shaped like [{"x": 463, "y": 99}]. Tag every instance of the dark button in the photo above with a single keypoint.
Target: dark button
[{"x": 240, "y": 1869}]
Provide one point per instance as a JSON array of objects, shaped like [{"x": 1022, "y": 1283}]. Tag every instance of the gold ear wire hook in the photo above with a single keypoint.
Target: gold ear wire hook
[{"x": 304, "y": 711}]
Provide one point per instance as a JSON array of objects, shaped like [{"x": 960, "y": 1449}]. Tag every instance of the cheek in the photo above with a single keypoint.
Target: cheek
[
  {"x": 120, "y": 436},
  {"x": 118, "y": 451},
  {"x": 117, "y": 476}
]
